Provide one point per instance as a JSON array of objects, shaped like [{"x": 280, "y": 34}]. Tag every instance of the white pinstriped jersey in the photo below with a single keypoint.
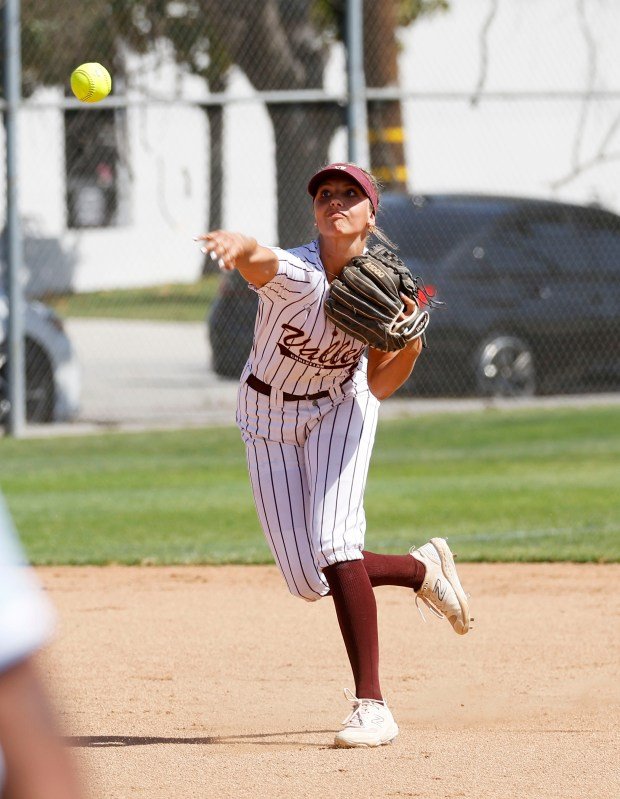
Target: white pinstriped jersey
[
  {"x": 308, "y": 459},
  {"x": 296, "y": 348}
]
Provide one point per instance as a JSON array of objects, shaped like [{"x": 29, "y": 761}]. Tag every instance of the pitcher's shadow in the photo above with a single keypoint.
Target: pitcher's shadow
[{"x": 87, "y": 741}]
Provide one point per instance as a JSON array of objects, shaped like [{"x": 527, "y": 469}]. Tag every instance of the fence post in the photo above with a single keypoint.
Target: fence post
[
  {"x": 13, "y": 239},
  {"x": 357, "y": 124}
]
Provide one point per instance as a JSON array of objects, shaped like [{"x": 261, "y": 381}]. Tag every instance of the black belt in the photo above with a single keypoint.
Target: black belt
[{"x": 265, "y": 388}]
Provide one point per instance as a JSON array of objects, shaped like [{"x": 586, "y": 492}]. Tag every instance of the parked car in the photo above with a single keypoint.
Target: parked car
[
  {"x": 52, "y": 372},
  {"x": 531, "y": 293},
  {"x": 230, "y": 325}
]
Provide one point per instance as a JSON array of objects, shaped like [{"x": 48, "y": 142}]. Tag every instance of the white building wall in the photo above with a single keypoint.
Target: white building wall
[
  {"x": 515, "y": 147},
  {"x": 502, "y": 146}
]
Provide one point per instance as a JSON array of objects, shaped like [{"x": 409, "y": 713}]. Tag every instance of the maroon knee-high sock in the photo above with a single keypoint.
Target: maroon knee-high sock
[
  {"x": 356, "y": 610},
  {"x": 394, "y": 570}
]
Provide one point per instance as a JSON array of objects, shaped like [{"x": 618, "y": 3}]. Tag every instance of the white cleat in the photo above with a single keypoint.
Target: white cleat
[
  {"x": 441, "y": 590},
  {"x": 370, "y": 723}
]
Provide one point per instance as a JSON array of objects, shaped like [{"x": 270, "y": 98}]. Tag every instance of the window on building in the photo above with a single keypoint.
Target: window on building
[{"x": 95, "y": 184}]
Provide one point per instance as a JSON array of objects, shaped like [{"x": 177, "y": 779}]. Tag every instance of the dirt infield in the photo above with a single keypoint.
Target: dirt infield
[{"x": 213, "y": 682}]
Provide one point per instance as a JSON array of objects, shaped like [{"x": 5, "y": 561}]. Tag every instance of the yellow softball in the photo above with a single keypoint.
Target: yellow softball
[{"x": 91, "y": 82}]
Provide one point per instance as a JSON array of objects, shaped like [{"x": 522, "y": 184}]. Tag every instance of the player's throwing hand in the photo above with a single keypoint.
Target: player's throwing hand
[{"x": 225, "y": 247}]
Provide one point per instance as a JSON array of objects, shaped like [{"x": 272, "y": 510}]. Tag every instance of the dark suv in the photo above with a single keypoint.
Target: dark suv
[{"x": 531, "y": 293}]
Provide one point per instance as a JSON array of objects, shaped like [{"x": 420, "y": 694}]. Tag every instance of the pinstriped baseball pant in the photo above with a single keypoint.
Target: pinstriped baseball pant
[{"x": 308, "y": 479}]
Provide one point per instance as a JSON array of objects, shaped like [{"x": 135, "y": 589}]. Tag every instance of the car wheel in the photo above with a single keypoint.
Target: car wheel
[
  {"x": 505, "y": 368},
  {"x": 40, "y": 393}
]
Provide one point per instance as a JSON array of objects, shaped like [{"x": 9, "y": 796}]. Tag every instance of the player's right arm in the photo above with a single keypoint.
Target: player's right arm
[{"x": 257, "y": 264}]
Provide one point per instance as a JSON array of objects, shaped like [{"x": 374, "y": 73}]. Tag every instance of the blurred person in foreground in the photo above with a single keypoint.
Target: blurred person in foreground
[{"x": 34, "y": 763}]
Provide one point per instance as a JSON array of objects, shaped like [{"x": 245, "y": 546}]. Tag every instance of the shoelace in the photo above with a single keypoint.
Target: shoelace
[
  {"x": 433, "y": 609},
  {"x": 430, "y": 606},
  {"x": 360, "y": 707}
]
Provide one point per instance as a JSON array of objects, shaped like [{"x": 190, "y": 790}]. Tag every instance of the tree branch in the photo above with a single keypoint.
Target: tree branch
[
  {"x": 601, "y": 155},
  {"x": 591, "y": 79},
  {"x": 484, "y": 51},
  {"x": 584, "y": 166}
]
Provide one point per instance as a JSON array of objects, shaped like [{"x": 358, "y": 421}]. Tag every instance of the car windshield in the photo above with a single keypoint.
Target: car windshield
[{"x": 428, "y": 229}]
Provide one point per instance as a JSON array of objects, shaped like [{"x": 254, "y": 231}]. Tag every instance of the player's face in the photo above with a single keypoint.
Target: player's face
[{"x": 342, "y": 209}]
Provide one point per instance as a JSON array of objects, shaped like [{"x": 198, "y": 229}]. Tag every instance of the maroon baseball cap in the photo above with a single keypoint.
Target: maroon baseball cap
[{"x": 354, "y": 172}]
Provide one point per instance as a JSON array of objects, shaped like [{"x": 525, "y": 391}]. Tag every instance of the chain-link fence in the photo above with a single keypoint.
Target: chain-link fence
[{"x": 494, "y": 127}]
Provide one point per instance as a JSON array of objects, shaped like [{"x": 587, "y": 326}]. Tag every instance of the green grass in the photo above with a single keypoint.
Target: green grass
[
  {"x": 182, "y": 302},
  {"x": 503, "y": 485}
]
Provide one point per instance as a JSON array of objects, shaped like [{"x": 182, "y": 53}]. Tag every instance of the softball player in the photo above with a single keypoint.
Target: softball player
[{"x": 307, "y": 410}]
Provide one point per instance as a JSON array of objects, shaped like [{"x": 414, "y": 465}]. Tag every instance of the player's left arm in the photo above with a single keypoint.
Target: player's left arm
[{"x": 387, "y": 371}]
